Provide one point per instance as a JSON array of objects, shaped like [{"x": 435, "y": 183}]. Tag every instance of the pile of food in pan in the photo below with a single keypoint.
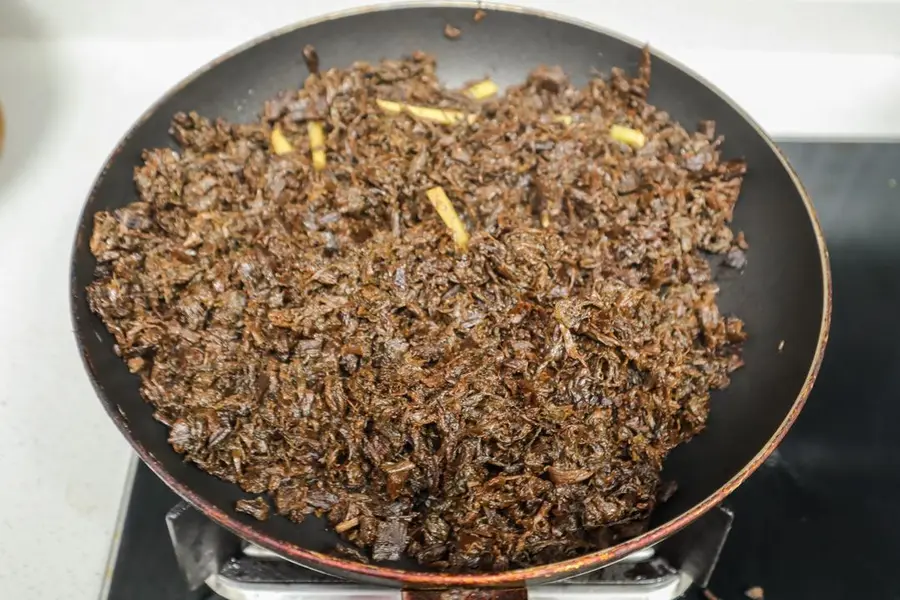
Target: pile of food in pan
[{"x": 463, "y": 325}]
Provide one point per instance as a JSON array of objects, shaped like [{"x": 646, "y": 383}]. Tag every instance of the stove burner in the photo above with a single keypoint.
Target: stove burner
[{"x": 237, "y": 571}]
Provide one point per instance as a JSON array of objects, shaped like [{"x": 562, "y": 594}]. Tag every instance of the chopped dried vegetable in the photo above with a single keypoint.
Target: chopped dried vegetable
[{"x": 318, "y": 339}]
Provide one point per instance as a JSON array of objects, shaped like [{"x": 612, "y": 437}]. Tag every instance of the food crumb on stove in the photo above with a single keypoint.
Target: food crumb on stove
[
  {"x": 451, "y": 32},
  {"x": 257, "y": 508},
  {"x": 709, "y": 595},
  {"x": 755, "y": 593},
  {"x": 479, "y": 15},
  {"x": 781, "y": 345}
]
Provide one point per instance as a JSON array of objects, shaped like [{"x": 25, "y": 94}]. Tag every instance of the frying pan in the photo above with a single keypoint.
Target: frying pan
[{"x": 783, "y": 294}]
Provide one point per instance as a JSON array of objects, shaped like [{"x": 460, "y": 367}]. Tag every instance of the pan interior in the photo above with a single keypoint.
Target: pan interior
[{"x": 779, "y": 295}]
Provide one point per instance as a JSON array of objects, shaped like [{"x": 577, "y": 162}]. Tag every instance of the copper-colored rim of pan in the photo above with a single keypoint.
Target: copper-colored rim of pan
[{"x": 515, "y": 577}]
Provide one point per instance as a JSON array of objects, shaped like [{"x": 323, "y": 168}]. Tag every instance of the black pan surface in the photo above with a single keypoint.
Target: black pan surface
[{"x": 782, "y": 295}]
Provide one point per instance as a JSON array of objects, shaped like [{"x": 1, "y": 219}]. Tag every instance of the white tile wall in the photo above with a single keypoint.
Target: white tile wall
[{"x": 771, "y": 25}]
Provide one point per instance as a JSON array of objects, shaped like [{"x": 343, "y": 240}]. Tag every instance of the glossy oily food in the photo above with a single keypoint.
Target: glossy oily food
[{"x": 466, "y": 326}]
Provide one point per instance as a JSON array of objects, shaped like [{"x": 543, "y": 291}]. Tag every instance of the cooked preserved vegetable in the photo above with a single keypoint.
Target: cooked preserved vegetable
[{"x": 470, "y": 336}]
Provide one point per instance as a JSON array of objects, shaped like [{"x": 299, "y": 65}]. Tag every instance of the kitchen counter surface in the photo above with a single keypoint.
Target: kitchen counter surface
[{"x": 67, "y": 102}]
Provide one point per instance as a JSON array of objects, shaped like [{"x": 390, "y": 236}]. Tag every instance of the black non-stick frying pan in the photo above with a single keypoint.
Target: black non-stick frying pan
[{"x": 783, "y": 294}]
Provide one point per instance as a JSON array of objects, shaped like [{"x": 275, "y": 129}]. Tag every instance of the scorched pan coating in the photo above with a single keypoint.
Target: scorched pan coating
[{"x": 782, "y": 293}]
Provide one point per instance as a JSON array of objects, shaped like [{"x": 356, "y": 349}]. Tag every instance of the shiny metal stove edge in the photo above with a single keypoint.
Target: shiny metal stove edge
[
  {"x": 667, "y": 587},
  {"x": 119, "y": 528}
]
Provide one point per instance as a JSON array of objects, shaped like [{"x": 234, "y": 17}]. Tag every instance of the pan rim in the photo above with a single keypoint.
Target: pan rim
[{"x": 556, "y": 570}]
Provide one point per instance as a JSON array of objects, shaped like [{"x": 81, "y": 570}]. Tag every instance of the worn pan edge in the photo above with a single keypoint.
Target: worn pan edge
[{"x": 540, "y": 573}]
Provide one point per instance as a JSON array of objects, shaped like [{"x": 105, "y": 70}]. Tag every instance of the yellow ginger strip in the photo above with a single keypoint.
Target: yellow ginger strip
[
  {"x": 445, "y": 210},
  {"x": 280, "y": 145},
  {"x": 627, "y": 135},
  {"x": 316, "y": 144},
  {"x": 445, "y": 116},
  {"x": 482, "y": 89}
]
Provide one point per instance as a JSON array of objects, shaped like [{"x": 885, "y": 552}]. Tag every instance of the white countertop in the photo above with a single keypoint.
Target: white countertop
[{"x": 67, "y": 101}]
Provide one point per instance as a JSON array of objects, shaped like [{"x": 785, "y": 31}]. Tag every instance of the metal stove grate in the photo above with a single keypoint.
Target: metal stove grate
[{"x": 237, "y": 571}]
